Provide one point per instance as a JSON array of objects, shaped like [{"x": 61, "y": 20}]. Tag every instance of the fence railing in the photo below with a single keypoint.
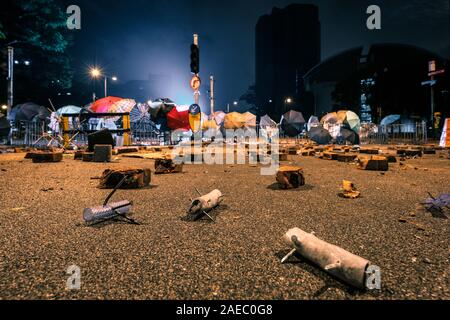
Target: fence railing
[
  {"x": 38, "y": 134},
  {"x": 413, "y": 133}
]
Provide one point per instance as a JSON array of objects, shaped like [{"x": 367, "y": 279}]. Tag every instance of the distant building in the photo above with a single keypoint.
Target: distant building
[
  {"x": 287, "y": 47},
  {"x": 378, "y": 80}
]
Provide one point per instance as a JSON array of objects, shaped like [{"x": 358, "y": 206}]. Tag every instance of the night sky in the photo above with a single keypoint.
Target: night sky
[{"x": 134, "y": 38}]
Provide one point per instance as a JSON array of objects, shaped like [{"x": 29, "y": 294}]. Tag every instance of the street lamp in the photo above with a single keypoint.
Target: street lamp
[
  {"x": 4, "y": 107},
  {"x": 96, "y": 73},
  {"x": 113, "y": 78},
  {"x": 286, "y": 102}
]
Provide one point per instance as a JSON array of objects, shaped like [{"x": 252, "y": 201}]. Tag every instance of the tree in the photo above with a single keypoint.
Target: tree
[{"x": 39, "y": 32}]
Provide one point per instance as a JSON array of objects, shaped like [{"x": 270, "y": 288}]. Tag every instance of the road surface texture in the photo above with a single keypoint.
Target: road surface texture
[{"x": 237, "y": 257}]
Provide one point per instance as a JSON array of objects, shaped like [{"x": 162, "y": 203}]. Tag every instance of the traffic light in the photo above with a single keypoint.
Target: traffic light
[{"x": 195, "y": 59}]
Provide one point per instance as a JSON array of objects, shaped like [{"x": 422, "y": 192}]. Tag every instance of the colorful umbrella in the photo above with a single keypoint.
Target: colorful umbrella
[
  {"x": 234, "y": 120},
  {"x": 140, "y": 113},
  {"x": 103, "y": 105},
  {"x": 352, "y": 120},
  {"x": 122, "y": 106},
  {"x": 178, "y": 118},
  {"x": 249, "y": 120}
]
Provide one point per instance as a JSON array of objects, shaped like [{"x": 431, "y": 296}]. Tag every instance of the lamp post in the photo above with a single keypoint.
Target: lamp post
[{"x": 97, "y": 73}]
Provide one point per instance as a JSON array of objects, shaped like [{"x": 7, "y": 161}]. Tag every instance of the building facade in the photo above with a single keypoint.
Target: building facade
[{"x": 287, "y": 47}]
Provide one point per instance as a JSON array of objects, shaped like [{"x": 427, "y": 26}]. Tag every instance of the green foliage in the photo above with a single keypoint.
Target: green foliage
[{"x": 39, "y": 29}]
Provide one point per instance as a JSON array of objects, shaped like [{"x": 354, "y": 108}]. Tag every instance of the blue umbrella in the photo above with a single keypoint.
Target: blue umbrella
[
  {"x": 390, "y": 119},
  {"x": 68, "y": 110}
]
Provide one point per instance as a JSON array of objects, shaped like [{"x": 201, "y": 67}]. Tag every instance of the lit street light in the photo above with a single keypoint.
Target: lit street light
[{"x": 96, "y": 73}]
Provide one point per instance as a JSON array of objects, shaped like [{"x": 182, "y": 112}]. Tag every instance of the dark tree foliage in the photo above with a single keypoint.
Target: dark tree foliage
[{"x": 37, "y": 30}]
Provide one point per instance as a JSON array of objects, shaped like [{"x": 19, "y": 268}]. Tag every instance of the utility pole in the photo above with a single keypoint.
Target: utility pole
[
  {"x": 106, "y": 87},
  {"x": 211, "y": 79},
  {"x": 196, "y": 92},
  {"x": 432, "y": 72},
  {"x": 10, "y": 78}
]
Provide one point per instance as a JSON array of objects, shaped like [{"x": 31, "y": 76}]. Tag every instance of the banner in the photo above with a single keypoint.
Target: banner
[{"x": 445, "y": 138}]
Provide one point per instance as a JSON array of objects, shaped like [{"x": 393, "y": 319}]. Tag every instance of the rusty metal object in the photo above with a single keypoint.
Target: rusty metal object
[
  {"x": 290, "y": 177},
  {"x": 349, "y": 190},
  {"x": 135, "y": 178},
  {"x": 163, "y": 166},
  {"x": 45, "y": 156},
  {"x": 375, "y": 163}
]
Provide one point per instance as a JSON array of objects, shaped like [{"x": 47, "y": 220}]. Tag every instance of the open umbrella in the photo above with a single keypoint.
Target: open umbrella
[
  {"x": 103, "y": 105},
  {"x": 219, "y": 116},
  {"x": 390, "y": 119},
  {"x": 178, "y": 118},
  {"x": 160, "y": 108},
  {"x": 319, "y": 135},
  {"x": 352, "y": 120},
  {"x": 266, "y": 121},
  {"x": 122, "y": 106},
  {"x": 313, "y": 122},
  {"x": 329, "y": 119},
  {"x": 349, "y": 135},
  {"x": 140, "y": 113},
  {"x": 292, "y": 123},
  {"x": 30, "y": 112},
  {"x": 68, "y": 110},
  {"x": 234, "y": 120},
  {"x": 249, "y": 120}
]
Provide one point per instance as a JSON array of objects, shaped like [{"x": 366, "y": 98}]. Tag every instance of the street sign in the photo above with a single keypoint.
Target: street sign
[
  {"x": 432, "y": 66},
  {"x": 195, "y": 83},
  {"x": 436, "y": 72},
  {"x": 429, "y": 83}
]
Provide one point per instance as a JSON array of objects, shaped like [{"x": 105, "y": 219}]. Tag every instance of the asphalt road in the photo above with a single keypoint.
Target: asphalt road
[{"x": 237, "y": 257}]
